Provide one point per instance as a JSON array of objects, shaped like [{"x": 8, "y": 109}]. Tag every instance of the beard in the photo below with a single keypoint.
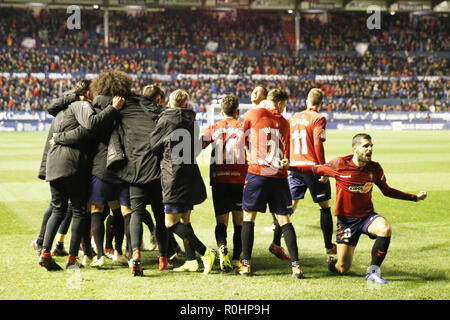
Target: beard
[{"x": 365, "y": 157}]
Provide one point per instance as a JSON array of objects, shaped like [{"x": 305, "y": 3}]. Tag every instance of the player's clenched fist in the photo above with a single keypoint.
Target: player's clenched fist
[
  {"x": 118, "y": 102},
  {"x": 421, "y": 195}
]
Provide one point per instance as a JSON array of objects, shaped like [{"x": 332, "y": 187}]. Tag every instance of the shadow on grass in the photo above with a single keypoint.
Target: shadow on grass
[
  {"x": 314, "y": 267},
  {"x": 428, "y": 275}
]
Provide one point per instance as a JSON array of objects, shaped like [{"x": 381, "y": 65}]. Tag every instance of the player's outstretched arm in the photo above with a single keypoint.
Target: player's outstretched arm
[{"x": 390, "y": 192}]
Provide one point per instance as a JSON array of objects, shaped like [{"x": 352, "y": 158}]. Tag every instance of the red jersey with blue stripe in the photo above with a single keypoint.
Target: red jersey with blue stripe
[{"x": 354, "y": 185}]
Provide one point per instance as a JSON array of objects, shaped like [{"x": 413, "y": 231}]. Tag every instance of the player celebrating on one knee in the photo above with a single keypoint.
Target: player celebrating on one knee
[
  {"x": 355, "y": 176},
  {"x": 227, "y": 175}
]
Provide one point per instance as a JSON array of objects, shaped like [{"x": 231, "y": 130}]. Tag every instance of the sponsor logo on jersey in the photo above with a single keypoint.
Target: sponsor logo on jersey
[{"x": 367, "y": 187}]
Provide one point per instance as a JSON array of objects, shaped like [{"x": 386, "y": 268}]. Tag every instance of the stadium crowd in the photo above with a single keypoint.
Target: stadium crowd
[
  {"x": 397, "y": 33},
  {"x": 171, "y": 29},
  {"x": 241, "y": 44},
  {"x": 242, "y": 30},
  {"x": 31, "y": 94},
  {"x": 207, "y": 62}
]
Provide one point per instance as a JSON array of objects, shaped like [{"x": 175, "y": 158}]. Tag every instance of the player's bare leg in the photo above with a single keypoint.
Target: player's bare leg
[
  {"x": 380, "y": 227},
  {"x": 344, "y": 258},
  {"x": 295, "y": 204}
]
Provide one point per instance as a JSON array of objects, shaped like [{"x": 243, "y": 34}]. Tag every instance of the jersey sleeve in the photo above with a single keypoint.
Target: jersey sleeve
[
  {"x": 391, "y": 192},
  {"x": 319, "y": 137},
  {"x": 244, "y": 139},
  {"x": 287, "y": 138},
  {"x": 329, "y": 169},
  {"x": 320, "y": 129},
  {"x": 207, "y": 137}
]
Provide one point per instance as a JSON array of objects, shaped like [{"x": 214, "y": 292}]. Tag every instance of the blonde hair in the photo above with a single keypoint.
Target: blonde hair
[
  {"x": 315, "y": 97},
  {"x": 178, "y": 98}
]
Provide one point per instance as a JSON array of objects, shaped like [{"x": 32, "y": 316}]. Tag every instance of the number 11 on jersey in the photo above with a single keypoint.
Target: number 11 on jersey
[{"x": 299, "y": 137}]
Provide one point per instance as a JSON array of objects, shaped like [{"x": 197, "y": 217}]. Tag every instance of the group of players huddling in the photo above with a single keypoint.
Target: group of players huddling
[{"x": 111, "y": 152}]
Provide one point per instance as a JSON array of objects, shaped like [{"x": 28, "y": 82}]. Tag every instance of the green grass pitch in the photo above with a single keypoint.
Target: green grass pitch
[{"x": 417, "y": 265}]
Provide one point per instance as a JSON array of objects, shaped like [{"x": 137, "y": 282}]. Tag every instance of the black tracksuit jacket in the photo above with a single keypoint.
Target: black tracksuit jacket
[{"x": 181, "y": 179}]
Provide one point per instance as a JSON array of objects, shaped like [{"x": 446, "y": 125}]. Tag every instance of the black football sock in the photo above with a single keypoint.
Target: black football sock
[
  {"x": 161, "y": 233},
  {"x": 126, "y": 223},
  {"x": 197, "y": 244},
  {"x": 173, "y": 246},
  {"x": 109, "y": 232},
  {"x": 182, "y": 231},
  {"x": 64, "y": 226},
  {"x": 147, "y": 219},
  {"x": 326, "y": 224},
  {"x": 379, "y": 250},
  {"x": 47, "y": 214},
  {"x": 52, "y": 228},
  {"x": 237, "y": 242},
  {"x": 98, "y": 231},
  {"x": 78, "y": 229},
  {"x": 119, "y": 230},
  {"x": 291, "y": 242},
  {"x": 221, "y": 236},
  {"x": 86, "y": 237},
  {"x": 136, "y": 230},
  {"x": 277, "y": 232},
  {"x": 248, "y": 237}
]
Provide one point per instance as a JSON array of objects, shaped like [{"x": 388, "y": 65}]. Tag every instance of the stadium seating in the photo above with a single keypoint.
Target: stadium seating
[{"x": 406, "y": 66}]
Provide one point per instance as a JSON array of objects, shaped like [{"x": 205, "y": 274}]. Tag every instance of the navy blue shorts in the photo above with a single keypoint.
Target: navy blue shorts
[
  {"x": 102, "y": 192},
  {"x": 177, "y": 207},
  {"x": 350, "y": 229},
  {"x": 227, "y": 197},
  {"x": 260, "y": 191},
  {"x": 298, "y": 183}
]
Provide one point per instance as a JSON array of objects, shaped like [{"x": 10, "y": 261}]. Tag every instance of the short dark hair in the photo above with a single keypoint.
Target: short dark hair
[
  {"x": 360, "y": 136},
  {"x": 152, "y": 91},
  {"x": 81, "y": 87},
  {"x": 229, "y": 104},
  {"x": 112, "y": 82},
  {"x": 277, "y": 95}
]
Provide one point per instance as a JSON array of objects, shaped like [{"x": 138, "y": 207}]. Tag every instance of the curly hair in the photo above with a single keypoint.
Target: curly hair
[{"x": 112, "y": 82}]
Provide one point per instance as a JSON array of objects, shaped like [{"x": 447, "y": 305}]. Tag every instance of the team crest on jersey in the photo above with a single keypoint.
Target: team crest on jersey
[{"x": 367, "y": 187}]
